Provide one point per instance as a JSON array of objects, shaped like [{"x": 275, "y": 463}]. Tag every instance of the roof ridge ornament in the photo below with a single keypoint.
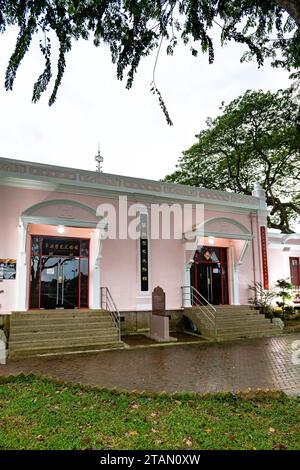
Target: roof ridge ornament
[
  {"x": 258, "y": 190},
  {"x": 99, "y": 159}
]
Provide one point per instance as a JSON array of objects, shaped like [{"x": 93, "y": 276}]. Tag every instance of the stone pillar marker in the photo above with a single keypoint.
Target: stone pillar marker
[{"x": 159, "y": 320}]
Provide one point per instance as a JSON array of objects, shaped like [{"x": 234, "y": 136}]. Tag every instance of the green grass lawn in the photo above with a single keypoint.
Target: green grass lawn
[{"x": 36, "y": 413}]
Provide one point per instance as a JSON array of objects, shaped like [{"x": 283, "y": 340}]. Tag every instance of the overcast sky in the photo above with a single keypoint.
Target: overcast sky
[{"x": 92, "y": 106}]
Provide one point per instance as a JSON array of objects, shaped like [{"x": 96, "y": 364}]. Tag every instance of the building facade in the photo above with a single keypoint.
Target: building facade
[{"x": 64, "y": 235}]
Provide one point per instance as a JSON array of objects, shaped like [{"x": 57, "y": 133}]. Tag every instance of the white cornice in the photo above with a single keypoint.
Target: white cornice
[
  {"x": 136, "y": 198},
  {"x": 59, "y": 221},
  {"x": 30, "y": 175},
  {"x": 215, "y": 234}
]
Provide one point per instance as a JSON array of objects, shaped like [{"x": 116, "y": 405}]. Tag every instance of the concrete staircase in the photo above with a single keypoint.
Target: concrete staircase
[
  {"x": 61, "y": 331},
  {"x": 233, "y": 322}
]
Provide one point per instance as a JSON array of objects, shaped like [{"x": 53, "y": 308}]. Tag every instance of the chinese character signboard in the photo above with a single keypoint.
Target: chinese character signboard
[
  {"x": 144, "y": 252},
  {"x": 8, "y": 268},
  {"x": 264, "y": 253},
  {"x": 56, "y": 247}
]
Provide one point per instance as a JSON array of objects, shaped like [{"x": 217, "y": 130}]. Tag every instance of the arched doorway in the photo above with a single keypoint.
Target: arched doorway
[
  {"x": 59, "y": 269},
  {"x": 59, "y": 273},
  {"x": 209, "y": 274}
]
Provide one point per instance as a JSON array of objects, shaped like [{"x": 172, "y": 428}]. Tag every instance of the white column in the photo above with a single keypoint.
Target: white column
[
  {"x": 236, "y": 297},
  {"x": 187, "y": 302},
  {"x": 95, "y": 264},
  {"x": 286, "y": 270},
  {"x": 95, "y": 270},
  {"x": 21, "y": 268},
  {"x": 235, "y": 300}
]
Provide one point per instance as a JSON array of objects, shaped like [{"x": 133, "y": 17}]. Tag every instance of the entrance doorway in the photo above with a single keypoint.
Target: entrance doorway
[
  {"x": 59, "y": 282},
  {"x": 59, "y": 273},
  {"x": 209, "y": 275}
]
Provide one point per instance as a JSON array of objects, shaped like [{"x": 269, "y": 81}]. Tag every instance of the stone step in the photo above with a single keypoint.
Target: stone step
[
  {"x": 227, "y": 309},
  {"x": 45, "y": 320},
  {"x": 222, "y": 308},
  {"x": 252, "y": 321},
  {"x": 59, "y": 323},
  {"x": 37, "y": 334},
  {"x": 233, "y": 307},
  {"x": 236, "y": 318},
  {"x": 62, "y": 342},
  {"x": 255, "y": 334},
  {"x": 34, "y": 351},
  {"x": 58, "y": 311},
  {"x": 236, "y": 312},
  {"x": 248, "y": 328},
  {"x": 226, "y": 313},
  {"x": 31, "y": 327},
  {"x": 229, "y": 318},
  {"x": 232, "y": 323},
  {"x": 47, "y": 331},
  {"x": 56, "y": 316}
]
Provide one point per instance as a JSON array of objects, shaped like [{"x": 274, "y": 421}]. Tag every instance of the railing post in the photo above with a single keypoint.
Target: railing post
[
  {"x": 206, "y": 308},
  {"x": 216, "y": 329},
  {"x": 106, "y": 298}
]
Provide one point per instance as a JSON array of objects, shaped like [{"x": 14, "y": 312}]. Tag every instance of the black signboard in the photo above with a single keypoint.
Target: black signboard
[
  {"x": 8, "y": 268},
  {"x": 144, "y": 253},
  {"x": 61, "y": 247},
  {"x": 144, "y": 265}
]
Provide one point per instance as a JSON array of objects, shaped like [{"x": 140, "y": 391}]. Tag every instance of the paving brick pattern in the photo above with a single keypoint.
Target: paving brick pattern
[{"x": 227, "y": 366}]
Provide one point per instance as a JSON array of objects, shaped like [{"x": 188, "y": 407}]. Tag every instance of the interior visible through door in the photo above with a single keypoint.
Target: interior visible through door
[
  {"x": 59, "y": 273},
  {"x": 209, "y": 275}
]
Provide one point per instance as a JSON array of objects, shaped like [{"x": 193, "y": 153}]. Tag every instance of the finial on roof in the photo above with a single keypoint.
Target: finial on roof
[
  {"x": 99, "y": 160},
  {"x": 258, "y": 191}
]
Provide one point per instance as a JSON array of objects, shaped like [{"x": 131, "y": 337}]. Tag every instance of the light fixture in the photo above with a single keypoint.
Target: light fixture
[
  {"x": 211, "y": 240},
  {"x": 61, "y": 229}
]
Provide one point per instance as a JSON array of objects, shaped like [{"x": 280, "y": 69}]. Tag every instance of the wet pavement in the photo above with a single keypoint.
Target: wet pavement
[
  {"x": 140, "y": 340},
  {"x": 228, "y": 366}
]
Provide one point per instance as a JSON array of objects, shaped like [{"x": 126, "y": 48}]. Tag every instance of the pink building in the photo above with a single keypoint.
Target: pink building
[{"x": 58, "y": 249}]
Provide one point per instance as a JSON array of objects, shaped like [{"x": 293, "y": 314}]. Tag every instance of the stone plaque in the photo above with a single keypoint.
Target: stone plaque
[{"x": 158, "y": 301}]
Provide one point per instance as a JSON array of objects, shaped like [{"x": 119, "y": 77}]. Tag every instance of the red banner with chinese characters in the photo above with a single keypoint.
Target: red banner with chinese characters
[{"x": 264, "y": 252}]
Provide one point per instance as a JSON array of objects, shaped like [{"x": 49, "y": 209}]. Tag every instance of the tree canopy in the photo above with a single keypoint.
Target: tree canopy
[
  {"x": 255, "y": 139},
  {"x": 133, "y": 28}
]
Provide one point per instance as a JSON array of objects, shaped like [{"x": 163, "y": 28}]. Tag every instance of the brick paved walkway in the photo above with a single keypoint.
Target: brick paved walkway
[{"x": 230, "y": 366}]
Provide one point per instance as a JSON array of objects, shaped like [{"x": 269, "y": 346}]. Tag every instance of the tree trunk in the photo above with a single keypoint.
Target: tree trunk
[{"x": 292, "y": 7}]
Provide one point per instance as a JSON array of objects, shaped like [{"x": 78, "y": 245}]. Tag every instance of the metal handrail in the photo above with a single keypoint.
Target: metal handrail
[
  {"x": 196, "y": 298},
  {"x": 107, "y": 303}
]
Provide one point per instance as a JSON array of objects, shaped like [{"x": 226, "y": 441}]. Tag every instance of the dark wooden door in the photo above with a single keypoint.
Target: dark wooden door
[{"x": 295, "y": 271}]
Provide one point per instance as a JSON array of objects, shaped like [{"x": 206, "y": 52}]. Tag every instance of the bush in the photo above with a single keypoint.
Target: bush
[
  {"x": 289, "y": 310},
  {"x": 284, "y": 293},
  {"x": 262, "y": 298}
]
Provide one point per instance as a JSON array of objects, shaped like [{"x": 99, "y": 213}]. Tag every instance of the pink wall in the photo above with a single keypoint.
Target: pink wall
[
  {"x": 120, "y": 258},
  {"x": 279, "y": 263},
  {"x": 167, "y": 269},
  {"x": 118, "y": 271}
]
